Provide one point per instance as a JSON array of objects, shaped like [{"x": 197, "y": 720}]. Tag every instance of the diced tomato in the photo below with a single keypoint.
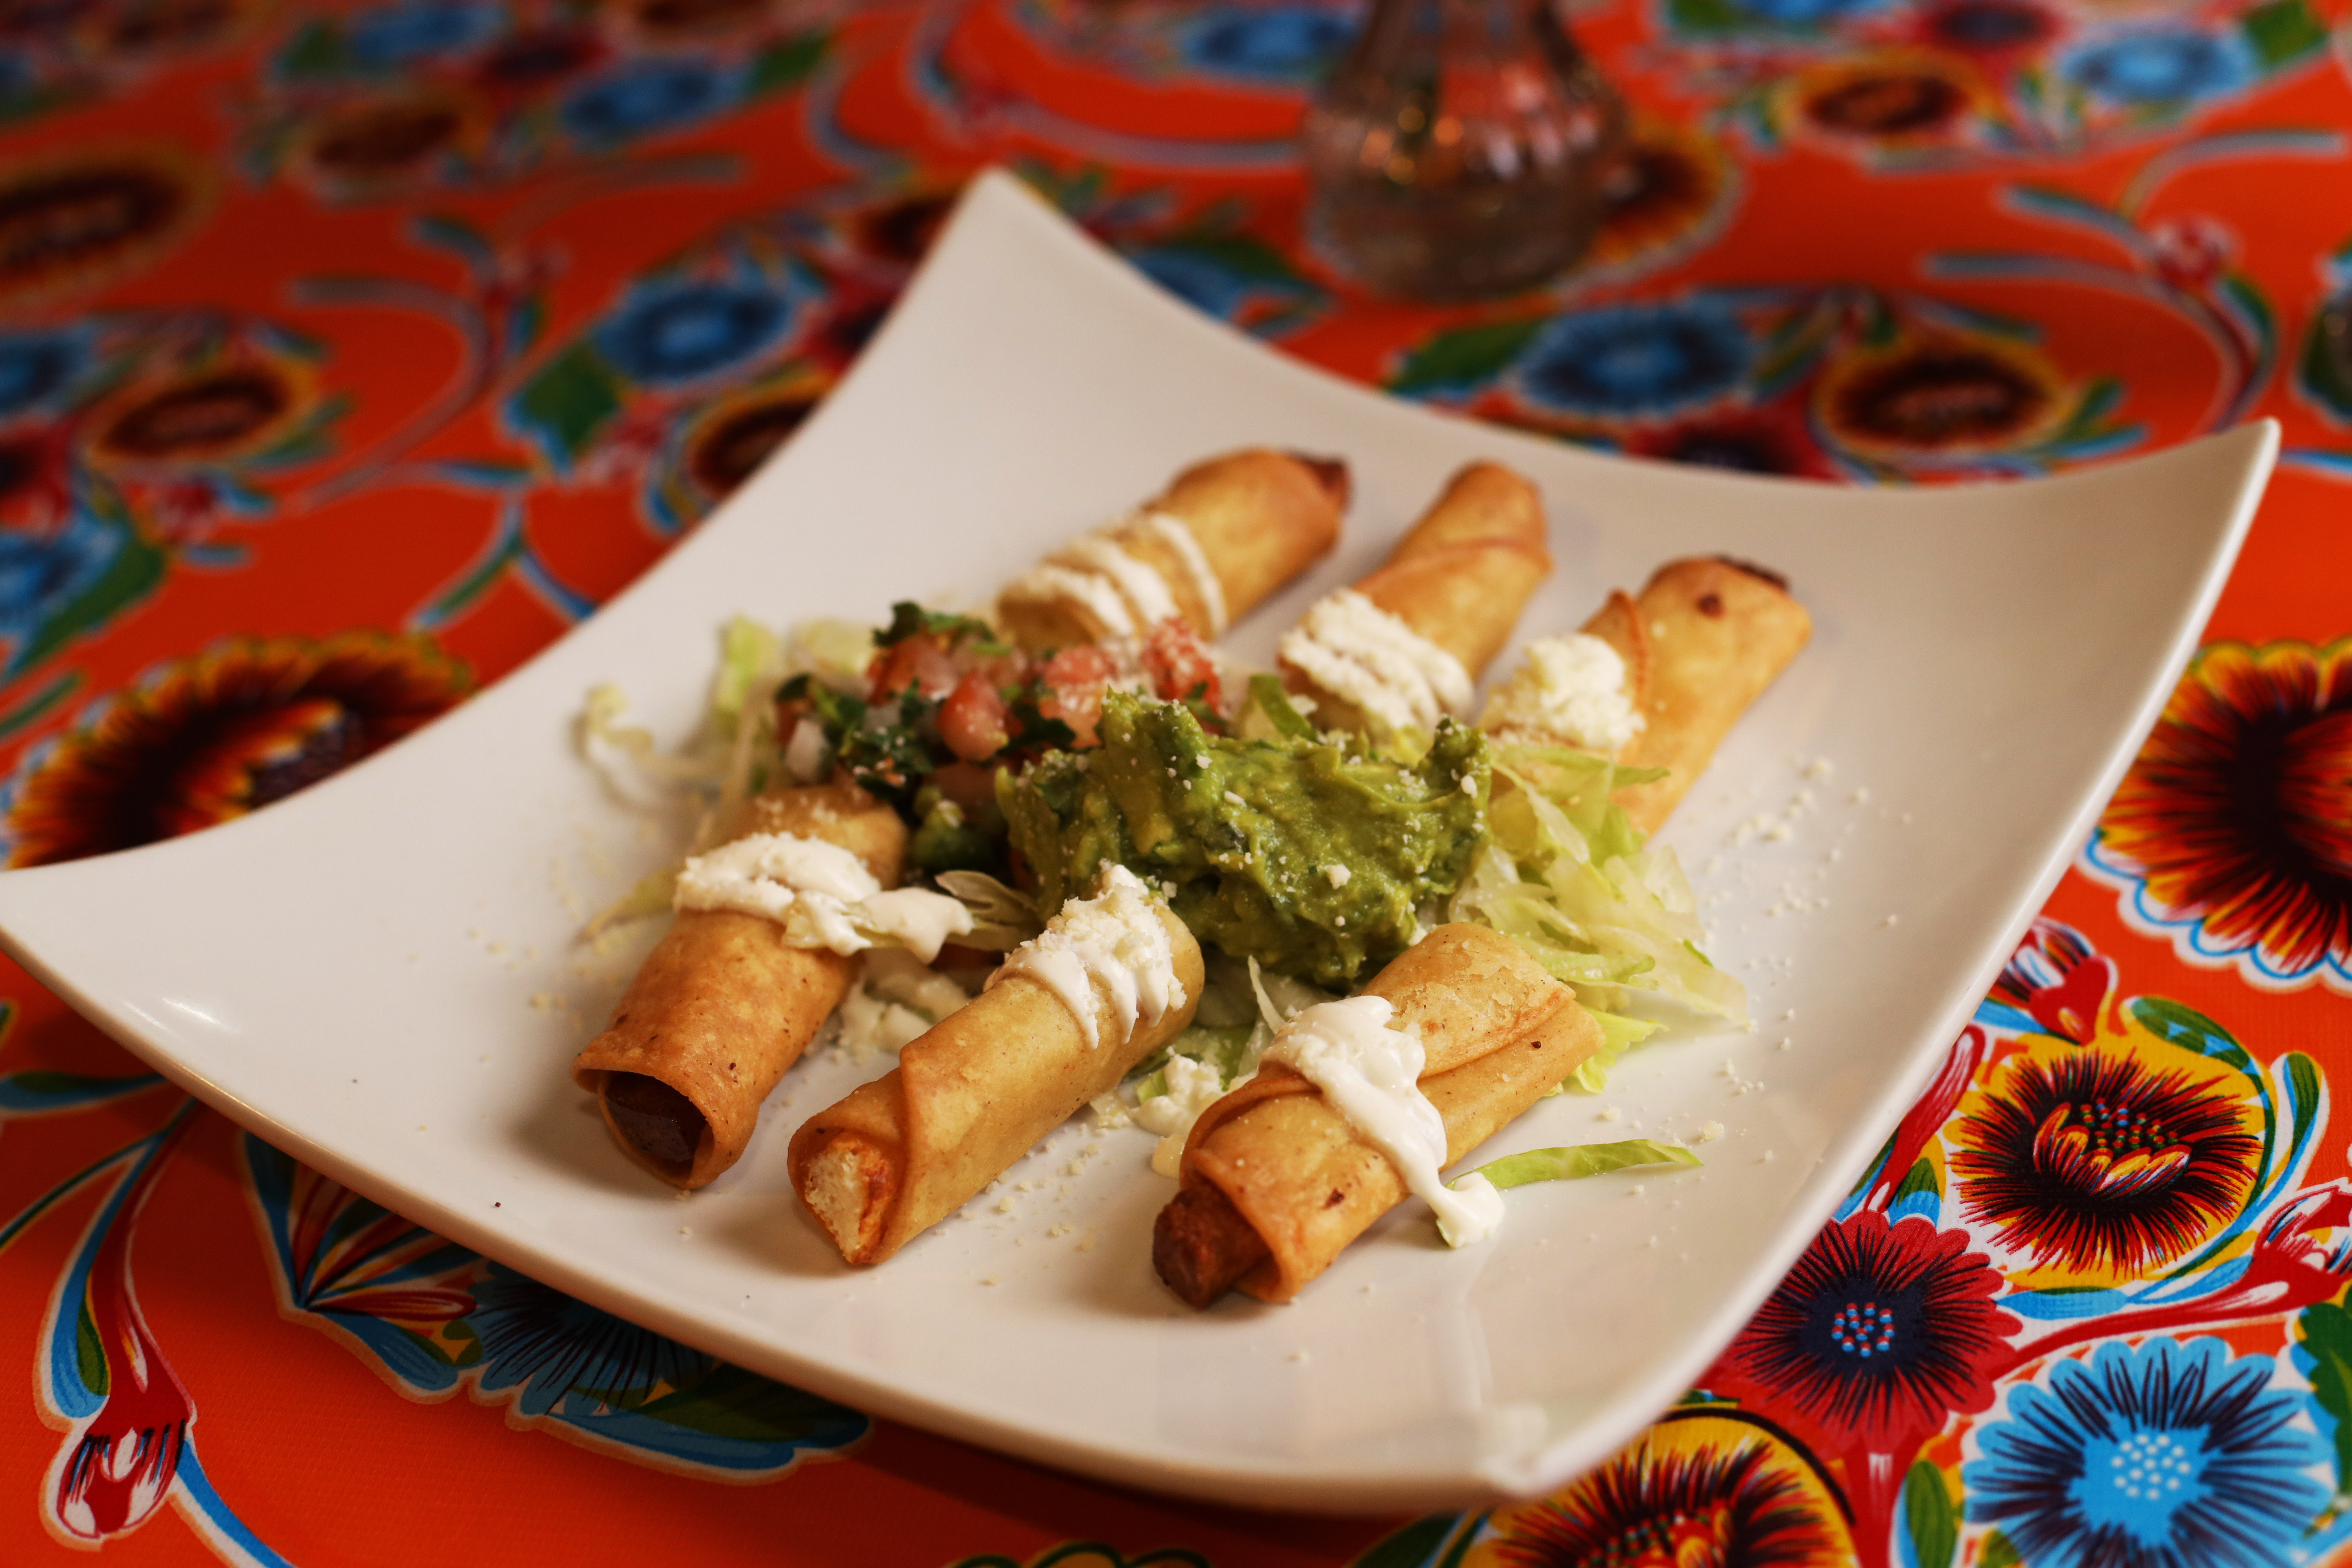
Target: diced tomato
[
  {"x": 1076, "y": 679},
  {"x": 934, "y": 663},
  {"x": 924, "y": 662},
  {"x": 1180, "y": 665},
  {"x": 972, "y": 719}
]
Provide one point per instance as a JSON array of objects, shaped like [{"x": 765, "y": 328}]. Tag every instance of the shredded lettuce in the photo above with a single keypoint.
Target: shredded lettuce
[
  {"x": 735, "y": 751},
  {"x": 833, "y": 652},
  {"x": 750, "y": 664},
  {"x": 1269, "y": 711},
  {"x": 733, "y": 754},
  {"x": 1565, "y": 875},
  {"x": 650, "y": 897},
  {"x": 1003, "y": 918},
  {"x": 1577, "y": 1161},
  {"x": 1229, "y": 1050},
  {"x": 628, "y": 758},
  {"x": 1619, "y": 1035}
]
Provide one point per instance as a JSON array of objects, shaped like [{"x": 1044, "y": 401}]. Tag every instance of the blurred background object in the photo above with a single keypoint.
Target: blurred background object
[{"x": 1461, "y": 149}]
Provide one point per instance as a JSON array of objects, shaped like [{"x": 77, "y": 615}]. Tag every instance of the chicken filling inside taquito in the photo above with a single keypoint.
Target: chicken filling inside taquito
[
  {"x": 1357, "y": 1103},
  {"x": 1111, "y": 979},
  {"x": 1224, "y": 534},
  {"x": 758, "y": 956}
]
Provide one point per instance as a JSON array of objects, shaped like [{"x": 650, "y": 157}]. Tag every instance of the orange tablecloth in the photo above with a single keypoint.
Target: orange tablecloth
[{"x": 350, "y": 353}]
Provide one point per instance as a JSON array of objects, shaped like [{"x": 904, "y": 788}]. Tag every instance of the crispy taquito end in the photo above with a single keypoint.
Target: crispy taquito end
[
  {"x": 723, "y": 1006},
  {"x": 897, "y": 1155},
  {"x": 1700, "y": 645},
  {"x": 1258, "y": 519},
  {"x": 1277, "y": 1182}
]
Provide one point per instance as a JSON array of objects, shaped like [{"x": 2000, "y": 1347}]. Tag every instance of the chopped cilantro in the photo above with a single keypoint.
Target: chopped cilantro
[{"x": 909, "y": 619}]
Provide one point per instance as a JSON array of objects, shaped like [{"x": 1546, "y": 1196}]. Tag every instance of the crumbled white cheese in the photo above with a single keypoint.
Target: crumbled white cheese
[
  {"x": 1192, "y": 1087},
  {"x": 1336, "y": 873},
  {"x": 898, "y": 976},
  {"x": 1567, "y": 690},
  {"x": 894, "y": 1001},
  {"x": 1709, "y": 1131},
  {"x": 871, "y": 1026}
]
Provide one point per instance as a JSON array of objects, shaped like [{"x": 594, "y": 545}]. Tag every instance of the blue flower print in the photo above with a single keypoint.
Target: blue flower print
[
  {"x": 415, "y": 30},
  {"x": 546, "y": 1344},
  {"x": 1277, "y": 43},
  {"x": 1229, "y": 280},
  {"x": 1200, "y": 281},
  {"x": 435, "y": 1315},
  {"x": 1806, "y": 13},
  {"x": 613, "y": 1382},
  {"x": 678, "y": 330},
  {"x": 1624, "y": 361},
  {"x": 2165, "y": 66},
  {"x": 35, "y": 367},
  {"x": 2165, "y": 1455},
  {"x": 1991, "y": 23},
  {"x": 42, "y": 572},
  {"x": 646, "y": 97}
]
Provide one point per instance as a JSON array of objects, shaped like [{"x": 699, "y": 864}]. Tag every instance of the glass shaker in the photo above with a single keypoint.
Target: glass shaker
[{"x": 1461, "y": 149}]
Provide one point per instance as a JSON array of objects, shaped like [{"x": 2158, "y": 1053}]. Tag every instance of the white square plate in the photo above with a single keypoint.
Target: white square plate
[{"x": 368, "y": 974}]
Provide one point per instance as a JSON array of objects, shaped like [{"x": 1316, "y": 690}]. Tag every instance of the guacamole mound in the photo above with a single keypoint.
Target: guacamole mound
[{"x": 1284, "y": 850}]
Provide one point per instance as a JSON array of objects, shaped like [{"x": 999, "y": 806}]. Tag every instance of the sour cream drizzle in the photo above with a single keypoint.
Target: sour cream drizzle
[
  {"x": 1145, "y": 590},
  {"x": 1371, "y": 1074},
  {"x": 820, "y": 893},
  {"x": 1177, "y": 534},
  {"x": 1356, "y": 651},
  {"x": 1096, "y": 594},
  {"x": 1123, "y": 592},
  {"x": 1112, "y": 947}
]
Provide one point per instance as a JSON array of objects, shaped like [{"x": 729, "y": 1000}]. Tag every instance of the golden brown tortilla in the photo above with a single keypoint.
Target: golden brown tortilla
[
  {"x": 723, "y": 1006},
  {"x": 1277, "y": 1182}
]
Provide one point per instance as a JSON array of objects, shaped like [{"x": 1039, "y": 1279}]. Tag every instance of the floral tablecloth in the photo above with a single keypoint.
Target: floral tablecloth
[{"x": 349, "y": 353}]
